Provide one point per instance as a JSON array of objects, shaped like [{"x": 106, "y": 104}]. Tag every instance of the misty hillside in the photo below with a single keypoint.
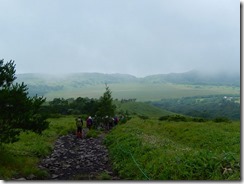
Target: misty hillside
[
  {"x": 76, "y": 84},
  {"x": 43, "y": 83},
  {"x": 195, "y": 78},
  {"x": 74, "y": 79},
  {"x": 86, "y": 79}
]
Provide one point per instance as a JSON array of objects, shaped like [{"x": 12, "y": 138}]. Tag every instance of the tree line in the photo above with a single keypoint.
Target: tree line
[
  {"x": 208, "y": 107},
  {"x": 89, "y": 106},
  {"x": 21, "y": 112}
]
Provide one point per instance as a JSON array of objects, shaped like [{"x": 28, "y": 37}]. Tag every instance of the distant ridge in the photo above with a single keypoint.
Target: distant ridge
[
  {"x": 92, "y": 77},
  {"x": 83, "y": 79},
  {"x": 196, "y": 78},
  {"x": 124, "y": 85}
]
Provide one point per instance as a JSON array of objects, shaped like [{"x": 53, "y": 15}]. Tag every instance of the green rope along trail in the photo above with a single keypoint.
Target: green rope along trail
[{"x": 134, "y": 160}]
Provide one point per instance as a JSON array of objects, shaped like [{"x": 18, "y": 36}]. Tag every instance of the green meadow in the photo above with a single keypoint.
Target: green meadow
[
  {"x": 161, "y": 150},
  {"x": 143, "y": 92}
]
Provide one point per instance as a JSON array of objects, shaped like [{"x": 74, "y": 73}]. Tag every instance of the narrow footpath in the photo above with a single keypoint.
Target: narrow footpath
[{"x": 78, "y": 159}]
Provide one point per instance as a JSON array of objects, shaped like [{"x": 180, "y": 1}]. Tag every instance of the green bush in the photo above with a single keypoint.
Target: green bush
[
  {"x": 175, "y": 118},
  {"x": 164, "y": 118},
  {"x": 143, "y": 117},
  {"x": 221, "y": 119},
  {"x": 199, "y": 120}
]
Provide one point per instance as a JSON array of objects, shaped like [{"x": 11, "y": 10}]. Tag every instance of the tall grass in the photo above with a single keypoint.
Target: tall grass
[
  {"x": 21, "y": 158},
  {"x": 159, "y": 150}
]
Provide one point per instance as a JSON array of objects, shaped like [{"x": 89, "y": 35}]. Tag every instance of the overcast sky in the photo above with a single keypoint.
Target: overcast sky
[{"x": 138, "y": 37}]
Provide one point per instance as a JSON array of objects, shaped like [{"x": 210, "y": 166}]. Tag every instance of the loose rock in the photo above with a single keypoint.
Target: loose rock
[{"x": 73, "y": 157}]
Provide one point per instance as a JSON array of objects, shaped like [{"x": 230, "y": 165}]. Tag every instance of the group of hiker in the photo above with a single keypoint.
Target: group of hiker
[{"x": 105, "y": 123}]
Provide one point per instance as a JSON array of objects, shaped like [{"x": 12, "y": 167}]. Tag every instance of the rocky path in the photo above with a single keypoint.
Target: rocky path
[{"x": 78, "y": 159}]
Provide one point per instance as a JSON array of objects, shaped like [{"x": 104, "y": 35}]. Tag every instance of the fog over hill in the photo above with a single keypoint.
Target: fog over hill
[
  {"x": 87, "y": 79},
  {"x": 196, "y": 77},
  {"x": 75, "y": 84}
]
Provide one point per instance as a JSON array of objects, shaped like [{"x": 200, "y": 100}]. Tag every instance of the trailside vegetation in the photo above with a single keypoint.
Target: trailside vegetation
[
  {"x": 20, "y": 159},
  {"x": 150, "y": 149},
  {"x": 18, "y": 112}
]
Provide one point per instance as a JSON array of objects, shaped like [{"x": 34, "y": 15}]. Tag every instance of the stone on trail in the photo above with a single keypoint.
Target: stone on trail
[{"x": 73, "y": 157}]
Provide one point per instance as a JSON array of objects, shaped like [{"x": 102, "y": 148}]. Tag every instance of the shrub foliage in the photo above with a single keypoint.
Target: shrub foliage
[{"x": 18, "y": 112}]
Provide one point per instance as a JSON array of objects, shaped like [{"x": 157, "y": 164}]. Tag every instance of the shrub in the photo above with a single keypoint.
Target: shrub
[
  {"x": 164, "y": 118},
  {"x": 221, "y": 119},
  {"x": 176, "y": 118},
  {"x": 199, "y": 120},
  {"x": 143, "y": 117}
]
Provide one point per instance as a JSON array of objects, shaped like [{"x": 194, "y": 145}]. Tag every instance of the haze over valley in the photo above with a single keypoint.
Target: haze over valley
[{"x": 153, "y": 87}]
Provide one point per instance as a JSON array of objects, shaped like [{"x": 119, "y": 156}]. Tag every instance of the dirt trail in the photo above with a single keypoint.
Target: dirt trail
[{"x": 78, "y": 159}]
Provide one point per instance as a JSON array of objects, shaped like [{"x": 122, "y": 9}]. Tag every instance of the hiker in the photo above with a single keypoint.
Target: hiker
[
  {"x": 111, "y": 123},
  {"x": 116, "y": 120},
  {"x": 106, "y": 123},
  {"x": 89, "y": 122},
  {"x": 79, "y": 124},
  {"x": 95, "y": 122}
]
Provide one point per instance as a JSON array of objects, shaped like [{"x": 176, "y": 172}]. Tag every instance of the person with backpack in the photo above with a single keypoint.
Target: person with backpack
[
  {"x": 79, "y": 124},
  {"x": 116, "y": 120},
  {"x": 106, "y": 123},
  {"x": 89, "y": 122}
]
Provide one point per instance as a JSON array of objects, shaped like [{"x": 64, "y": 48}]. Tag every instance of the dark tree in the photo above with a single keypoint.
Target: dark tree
[
  {"x": 18, "y": 112},
  {"x": 105, "y": 106},
  {"x": 59, "y": 105}
]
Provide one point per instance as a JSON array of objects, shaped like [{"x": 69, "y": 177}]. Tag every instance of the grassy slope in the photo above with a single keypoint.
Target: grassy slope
[
  {"x": 176, "y": 150},
  {"x": 141, "y": 108}
]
